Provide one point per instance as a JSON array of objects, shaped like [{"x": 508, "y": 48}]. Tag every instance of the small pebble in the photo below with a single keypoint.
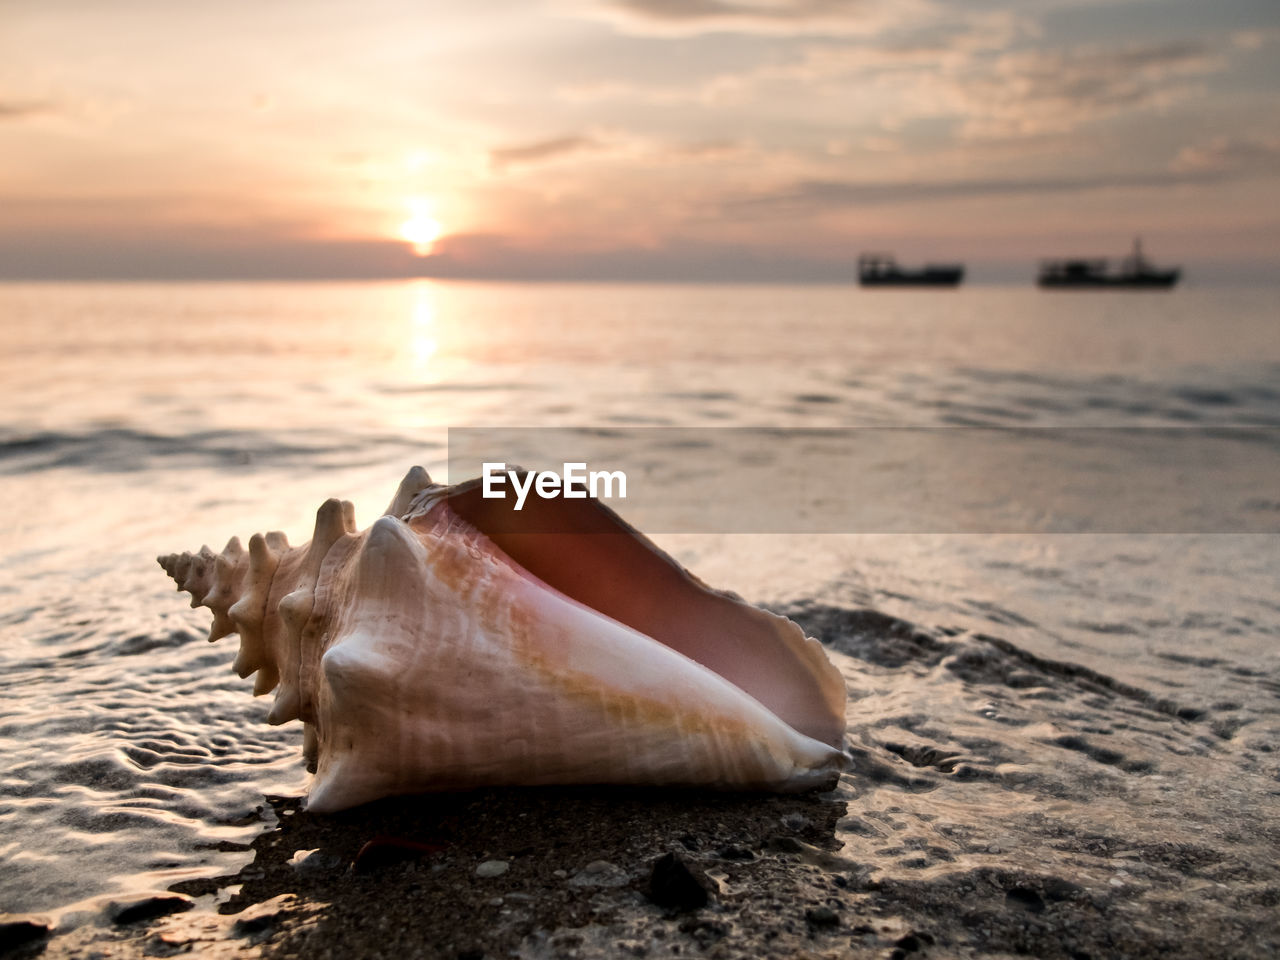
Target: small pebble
[
  {"x": 317, "y": 863},
  {"x": 492, "y": 868},
  {"x": 599, "y": 873},
  {"x": 560, "y": 873},
  {"x": 299, "y": 856},
  {"x": 822, "y": 916},
  {"x": 795, "y": 821}
]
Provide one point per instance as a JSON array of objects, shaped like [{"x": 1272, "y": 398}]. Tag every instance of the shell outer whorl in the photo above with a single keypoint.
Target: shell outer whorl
[
  {"x": 433, "y": 629},
  {"x": 301, "y": 612}
]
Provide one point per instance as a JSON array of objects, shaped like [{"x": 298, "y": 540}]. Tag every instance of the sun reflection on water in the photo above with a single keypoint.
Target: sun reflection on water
[{"x": 423, "y": 344}]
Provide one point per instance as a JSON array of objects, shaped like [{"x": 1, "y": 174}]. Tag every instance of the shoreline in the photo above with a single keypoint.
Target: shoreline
[
  {"x": 578, "y": 883},
  {"x": 1069, "y": 851}
]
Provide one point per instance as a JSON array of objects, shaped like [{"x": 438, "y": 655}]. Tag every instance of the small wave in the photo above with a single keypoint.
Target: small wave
[
  {"x": 127, "y": 450},
  {"x": 399, "y": 389},
  {"x": 1206, "y": 397},
  {"x": 978, "y": 394},
  {"x": 887, "y": 641}
]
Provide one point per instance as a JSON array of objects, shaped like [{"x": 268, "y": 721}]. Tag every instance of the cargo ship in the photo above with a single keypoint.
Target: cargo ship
[
  {"x": 1134, "y": 273},
  {"x": 881, "y": 270}
]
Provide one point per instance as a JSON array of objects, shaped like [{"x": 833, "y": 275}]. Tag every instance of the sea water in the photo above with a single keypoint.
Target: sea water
[{"x": 1028, "y": 683}]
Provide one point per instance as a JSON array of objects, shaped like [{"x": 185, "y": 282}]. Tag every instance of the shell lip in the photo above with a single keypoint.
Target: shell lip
[{"x": 768, "y": 657}]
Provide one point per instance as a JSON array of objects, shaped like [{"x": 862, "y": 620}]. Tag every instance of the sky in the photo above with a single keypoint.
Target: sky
[{"x": 688, "y": 140}]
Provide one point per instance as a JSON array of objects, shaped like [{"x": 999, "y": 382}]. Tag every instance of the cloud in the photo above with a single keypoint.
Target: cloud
[
  {"x": 970, "y": 76},
  {"x": 623, "y": 145},
  {"x": 676, "y": 259},
  {"x": 708, "y": 149},
  {"x": 1248, "y": 154},
  {"x": 807, "y": 197},
  {"x": 966, "y": 74},
  {"x": 542, "y": 151},
  {"x": 815, "y": 64},
  {"x": 22, "y": 109},
  {"x": 1254, "y": 39},
  {"x": 194, "y": 251},
  {"x": 1054, "y": 91},
  {"x": 606, "y": 90},
  {"x": 778, "y": 17}
]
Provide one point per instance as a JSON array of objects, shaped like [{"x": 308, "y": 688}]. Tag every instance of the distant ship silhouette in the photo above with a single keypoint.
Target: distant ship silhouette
[
  {"x": 1134, "y": 273},
  {"x": 881, "y": 270}
]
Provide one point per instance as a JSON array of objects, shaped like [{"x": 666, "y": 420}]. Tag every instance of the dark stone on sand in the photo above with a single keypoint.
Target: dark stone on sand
[
  {"x": 822, "y": 917},
  {"x": 1058, "y": 888},
  {"x": 252, "y": 926},
  {"x": 1026, "y": 897},
  {"x": 673, "y": 885},
  {"x": 259, "y": 927},
  {"x": 16, "y": 930},
  {"x": 149, "y": 909},
  {"x": 780, "y": 844},
  {"x": 386, "y": 851},
  {"x": 741, "y": 854}
]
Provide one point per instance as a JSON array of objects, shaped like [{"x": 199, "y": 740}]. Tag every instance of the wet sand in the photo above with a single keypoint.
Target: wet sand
[
  {"x": 578, "y": 883},
  {"x": 927, "y": 847}
]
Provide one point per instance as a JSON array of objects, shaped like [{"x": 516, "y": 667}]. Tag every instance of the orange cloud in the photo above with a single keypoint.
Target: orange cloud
[{"x": 541, "y": 152}]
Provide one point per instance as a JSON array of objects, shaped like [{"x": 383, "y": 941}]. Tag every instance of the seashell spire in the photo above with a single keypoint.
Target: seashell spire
[
  {"x": 447, "y": 646},
  {"x": 213, "y": 580}
]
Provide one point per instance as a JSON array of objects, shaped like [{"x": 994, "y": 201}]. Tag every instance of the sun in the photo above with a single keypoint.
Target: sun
[{"x": 421, "y": 231}]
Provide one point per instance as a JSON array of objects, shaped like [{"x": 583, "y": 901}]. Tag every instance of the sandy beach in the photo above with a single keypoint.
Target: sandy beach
[{"x": 890, "y": 864}]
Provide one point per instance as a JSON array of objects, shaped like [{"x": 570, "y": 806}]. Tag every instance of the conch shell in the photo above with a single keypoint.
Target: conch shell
[{"x": 456, "y": 643}]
